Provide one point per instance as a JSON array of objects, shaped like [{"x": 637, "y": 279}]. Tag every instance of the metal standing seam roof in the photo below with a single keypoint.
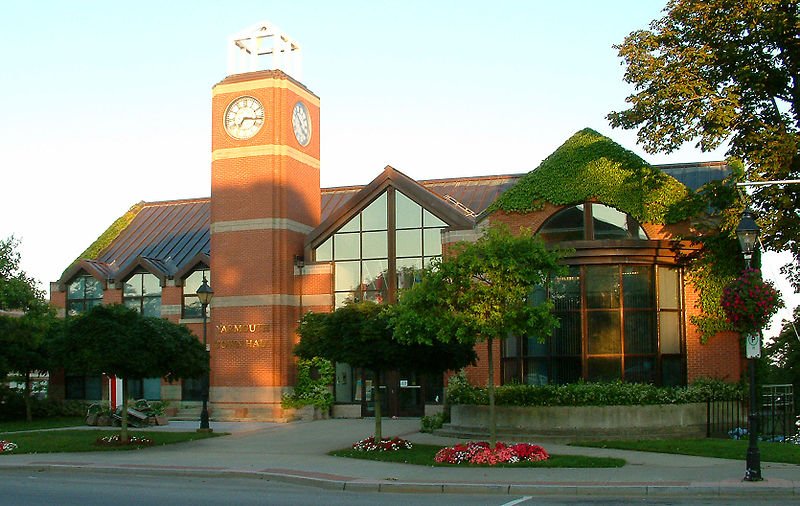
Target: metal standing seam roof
[{"x": 171, "y": 233}]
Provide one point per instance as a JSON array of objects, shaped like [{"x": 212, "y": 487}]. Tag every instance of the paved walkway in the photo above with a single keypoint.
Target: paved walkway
[{"x": 296, "y": 453}]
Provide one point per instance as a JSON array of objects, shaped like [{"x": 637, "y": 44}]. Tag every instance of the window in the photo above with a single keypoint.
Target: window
[
  {"x": 83, "y": 388},
  {"x": 617, "y": 322},
  {"x": 83, "y": 293},
  {"x": 590, "y": 221},
  {"x": 361, "y": 253},
  {"x": 142, "y": 292},
  {"x": 191, "y": 303},
  {"x": 393, "y": 234}
]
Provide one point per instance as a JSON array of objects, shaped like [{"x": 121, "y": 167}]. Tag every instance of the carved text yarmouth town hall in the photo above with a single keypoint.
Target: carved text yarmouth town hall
[{"x": 241, "y": 328}]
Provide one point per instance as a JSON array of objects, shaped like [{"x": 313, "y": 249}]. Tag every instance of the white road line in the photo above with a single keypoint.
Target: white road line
[{"x": 518, "y": 501}]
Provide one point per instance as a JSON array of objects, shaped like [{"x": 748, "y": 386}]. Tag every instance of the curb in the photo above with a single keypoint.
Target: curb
[{"x": 652, "y": 489}]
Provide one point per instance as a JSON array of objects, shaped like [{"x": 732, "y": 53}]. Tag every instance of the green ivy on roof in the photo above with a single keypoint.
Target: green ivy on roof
[
  {"x": 111, "y": 233},
  {"x": 592, "y": 166}
]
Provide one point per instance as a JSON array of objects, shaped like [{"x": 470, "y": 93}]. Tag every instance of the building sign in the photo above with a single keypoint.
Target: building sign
[
  {"x": 241, "y": 328},
  {"x": 240, "y": 344}
]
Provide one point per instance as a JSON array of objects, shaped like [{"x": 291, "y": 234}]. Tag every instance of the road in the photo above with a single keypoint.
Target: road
[{"x": 83, "y": 488}]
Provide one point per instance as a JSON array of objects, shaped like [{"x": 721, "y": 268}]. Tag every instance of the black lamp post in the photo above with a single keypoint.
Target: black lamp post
[
  {"x": 747, "y": 233},
  {"x": 205, "y": 294}
]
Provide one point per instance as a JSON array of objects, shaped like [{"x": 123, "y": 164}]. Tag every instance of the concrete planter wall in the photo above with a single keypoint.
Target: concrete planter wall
[{"x": 582, "y": 422}]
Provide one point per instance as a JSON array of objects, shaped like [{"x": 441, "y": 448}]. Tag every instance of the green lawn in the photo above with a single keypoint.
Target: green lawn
[
  {"x": 45, "y": 423},
  {"x": 76, "y": 440},
  {"x": 422, "y": 455},
  {"x": 720, "y": 448}
]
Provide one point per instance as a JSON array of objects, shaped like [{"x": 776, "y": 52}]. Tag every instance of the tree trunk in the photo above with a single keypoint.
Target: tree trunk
[
  {"x": 28, "y": 409},
  {"x": 376, "y": 398},
  {"x": 123, "y": 432},
  {"x": 492, "y": 411}
]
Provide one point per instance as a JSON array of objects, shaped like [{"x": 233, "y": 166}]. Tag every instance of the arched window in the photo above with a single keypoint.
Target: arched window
[
  {"x": 83, "y": 293},
  {"x": 142, "y": 292},
  {"x": 619, "y": 319},
  {"x": 590, "y": 221}
]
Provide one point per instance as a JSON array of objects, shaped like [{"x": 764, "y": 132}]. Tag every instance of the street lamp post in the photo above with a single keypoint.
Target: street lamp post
[
  {"x": 205, "y": 294},
  {"x": 747, "y": 233}
]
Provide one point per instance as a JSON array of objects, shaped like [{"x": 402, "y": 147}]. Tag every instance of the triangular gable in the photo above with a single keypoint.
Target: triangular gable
[
  {"x": 191, "y": 265},
  {"x": 100, "y": 271},
  {"x": 409, "y": 187},
  {"x": 153, "y": 266}
]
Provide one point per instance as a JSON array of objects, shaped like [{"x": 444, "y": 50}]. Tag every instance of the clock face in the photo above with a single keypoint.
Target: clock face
[
  {"x": 244, "y": 117},
  {"x": 301, "y": 124}
]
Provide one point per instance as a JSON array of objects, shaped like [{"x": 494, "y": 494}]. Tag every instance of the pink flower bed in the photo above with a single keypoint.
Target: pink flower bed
[{"x": 483, "y": 453}]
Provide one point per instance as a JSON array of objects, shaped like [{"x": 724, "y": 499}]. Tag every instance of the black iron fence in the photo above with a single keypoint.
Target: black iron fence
[{"x": 776, "y": 416}]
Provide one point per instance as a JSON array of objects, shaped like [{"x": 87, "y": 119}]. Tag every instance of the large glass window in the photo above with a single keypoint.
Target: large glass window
[
  {"x": 393, "y": 234},
  {"x": 191, "y": 303},
  {"x": 366, "y": 248},
  {"x": 142, "y": 292},
  {"x": 83, "y": 293},
  {"x": 616, "y": 322}
]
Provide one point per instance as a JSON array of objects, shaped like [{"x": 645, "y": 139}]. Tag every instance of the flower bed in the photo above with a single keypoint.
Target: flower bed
[
  {"x": 7, "y": 446},
  {"x": 385, "y": 445},
  {"x": 115, "y": 440},
  {"x": 483, "y": 453}
]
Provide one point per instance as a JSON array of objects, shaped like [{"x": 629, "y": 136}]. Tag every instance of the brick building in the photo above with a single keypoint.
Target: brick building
[{"x": 274, "y": 245}]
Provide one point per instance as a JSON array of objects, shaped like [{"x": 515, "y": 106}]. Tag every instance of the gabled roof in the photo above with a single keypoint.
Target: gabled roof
[
  {"x": 170, "y": 238},
  {"x": 360, "y": 199}
]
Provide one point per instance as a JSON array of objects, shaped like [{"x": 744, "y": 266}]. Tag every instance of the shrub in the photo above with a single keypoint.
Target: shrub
[
  {"x": 596, "y": 394},
  {"x": 314, "y": 378},
  {"x": 433, "y": 422}
]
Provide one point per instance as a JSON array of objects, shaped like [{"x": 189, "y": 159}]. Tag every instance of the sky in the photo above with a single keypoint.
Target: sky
[{"x": 105, "y": 104}]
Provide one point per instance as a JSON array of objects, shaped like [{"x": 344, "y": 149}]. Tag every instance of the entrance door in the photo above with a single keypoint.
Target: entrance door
[{"x": 401, "y": 394}]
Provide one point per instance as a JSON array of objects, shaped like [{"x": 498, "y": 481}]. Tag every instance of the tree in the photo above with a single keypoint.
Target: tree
[
  {"x": 23, "y": 337},
  {"x": 717, "y": 71},
  {"x": 25, "y": 343},
  {"x": 118, "y": 341},
  {"x": 482, "y": 292},
  {"x": 17, "y": 290},
  {"x": 360, "y": 335},
  {"x": 784, "y": 353}
]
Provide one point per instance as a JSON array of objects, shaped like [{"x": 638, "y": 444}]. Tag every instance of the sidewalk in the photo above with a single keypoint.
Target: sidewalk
[{"x": 296, "y": 453}]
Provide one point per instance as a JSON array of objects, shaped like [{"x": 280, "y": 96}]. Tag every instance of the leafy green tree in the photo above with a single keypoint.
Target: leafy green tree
[
  {"x": 482, "y": 293},
  {"x": 17, "y": 290},
  {"x": 360, "y": 335},
  {"x": 783, "y": 354},
  {"x": 118, "y": 341},
  {"x": 25, "y": 343},
  {"x": 23, "y": 337},
  {"x": 725, "y": 71}
]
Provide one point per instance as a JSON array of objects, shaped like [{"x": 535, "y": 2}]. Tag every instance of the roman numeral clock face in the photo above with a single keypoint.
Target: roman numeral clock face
[
  {"x": 301, "y": 124},
  {"x": 244, "y": 117}
]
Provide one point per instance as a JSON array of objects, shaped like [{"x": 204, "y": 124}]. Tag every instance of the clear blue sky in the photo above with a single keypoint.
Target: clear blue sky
[{"x": 105, "y": 103}]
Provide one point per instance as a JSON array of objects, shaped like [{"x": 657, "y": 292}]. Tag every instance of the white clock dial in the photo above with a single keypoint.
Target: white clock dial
[
  {"x": 301, "y": 124},
  {"x": 244, "y": 117}
]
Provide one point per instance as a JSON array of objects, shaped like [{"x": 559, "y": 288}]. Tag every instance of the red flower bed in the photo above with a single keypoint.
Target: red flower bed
[{"x": 483, "y": 453}]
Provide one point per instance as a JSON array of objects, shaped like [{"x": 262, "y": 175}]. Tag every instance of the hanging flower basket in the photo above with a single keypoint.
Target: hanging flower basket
[{"x": 749, "y": 302}]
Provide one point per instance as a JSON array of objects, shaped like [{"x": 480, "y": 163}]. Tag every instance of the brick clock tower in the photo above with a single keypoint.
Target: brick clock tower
[{"x": 264, "y": 200}]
